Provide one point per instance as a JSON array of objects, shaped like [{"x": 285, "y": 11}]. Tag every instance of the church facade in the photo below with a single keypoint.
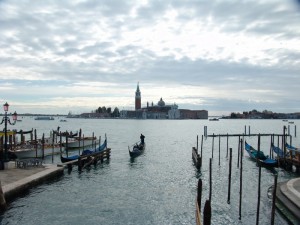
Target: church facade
[{"x": 160, "y": 110}]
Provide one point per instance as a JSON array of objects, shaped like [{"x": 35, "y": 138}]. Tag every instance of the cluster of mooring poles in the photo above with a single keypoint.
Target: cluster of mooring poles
[
  {"x": 198, "y": 157},
  {"x": 85, "y": 161}
]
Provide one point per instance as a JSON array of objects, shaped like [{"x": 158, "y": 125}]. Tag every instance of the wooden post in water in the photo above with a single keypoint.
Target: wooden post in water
[
  {"x": 288, "y": 129},
  {"x": 274, "y": 200},
  {"x": 83, "y": 142},
  {"x": 199, "y": 193},
  {"x": 197, "y": 143},
  {"x": 258, "y": 196},
  {"x": 212, "y": 148},
  {"x": 227, "y": 147},
  {"x": 35, "y": 143},
  {"x": 79, "y": 141},
  {"x": 239, "y": 148},
  {"x": 249, "y": 130},
  {"x": 210, "y": 179},
  {"x": 295, "y": 131},
  {"x": 79, "y": 164},
  {"x": 198, "y": 202},
  {"x": 201, "y": 151},
  {"x": 207, "y": 213},
  {"x": 43, "y": 146},
  {"x": 219, "y": 149},
  {"x": 258, "y": 150},
  {"x": 284, "y": 141},
  {"x": 241, "y": 182},
  {"x": 52, "y": 146},
  {"x": 60, "y": 142},
  {"x": 93, "y": 142},
  {"x": 67, "y": 150},
  {"x": 229, "y": 175},
  {"x": 245, "y": 130}
]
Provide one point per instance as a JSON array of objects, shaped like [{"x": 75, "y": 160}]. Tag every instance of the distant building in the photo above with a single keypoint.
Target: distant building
[
  {"x": 161, "y": 110},
  {"x": 137, "y": 98}
]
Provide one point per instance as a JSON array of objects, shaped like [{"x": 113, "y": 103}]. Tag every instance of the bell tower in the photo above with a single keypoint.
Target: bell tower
[{"x": 137, "y": 98}]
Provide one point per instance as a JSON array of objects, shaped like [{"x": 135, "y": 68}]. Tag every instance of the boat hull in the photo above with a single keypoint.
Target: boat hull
[
  {"x": 32, "y": 152},
  {"x": 136, "y": 151},
  {"x": 79, "y": 144}
]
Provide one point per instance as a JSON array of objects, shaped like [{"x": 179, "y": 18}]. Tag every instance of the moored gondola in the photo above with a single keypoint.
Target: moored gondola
[{"x": 260, "y": 157}]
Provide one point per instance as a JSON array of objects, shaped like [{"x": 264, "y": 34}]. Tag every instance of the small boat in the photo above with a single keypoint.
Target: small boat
[
  {"x": 101, "y": 148},
  {"x": 78, "y": 142},
  {"x": 214, "y": 119},
  {"x": 137, "y": 149},
  {"x": 63, "y": 120},
  {"x": 259, "y": 156}
]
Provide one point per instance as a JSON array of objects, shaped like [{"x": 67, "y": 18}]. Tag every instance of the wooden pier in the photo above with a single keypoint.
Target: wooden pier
[{"x": 87, "y": 160}]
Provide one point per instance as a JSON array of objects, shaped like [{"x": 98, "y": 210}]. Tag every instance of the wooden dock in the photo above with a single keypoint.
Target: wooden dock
[{"x": 87, "y": 160}]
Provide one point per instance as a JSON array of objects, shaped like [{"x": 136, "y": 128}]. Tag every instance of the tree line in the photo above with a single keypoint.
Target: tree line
[{"x": 108, "y": 110}]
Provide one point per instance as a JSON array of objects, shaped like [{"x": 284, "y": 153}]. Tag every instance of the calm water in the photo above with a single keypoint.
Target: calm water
[{"x": 160, "y": 186}]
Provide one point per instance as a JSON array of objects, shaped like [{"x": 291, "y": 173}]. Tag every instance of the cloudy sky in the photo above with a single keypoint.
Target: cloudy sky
[{"x": 223, "y": 55}]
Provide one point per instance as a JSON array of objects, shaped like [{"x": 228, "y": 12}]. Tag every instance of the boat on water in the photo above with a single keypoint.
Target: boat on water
[
  {"x": 137, "y": 149},
  {"x": 259, "y": 156},
  {"x": 100, "y": 148},
  {"x": 44, "y": 118},
  {"x": 214, "y": 119},
  {"x": 30, "y": 151},
  {"x": 32, "y": 148},
  {"x": 279, "y": 152},
  {"x": 293, "y": 151},
  {"x": 79, "y": 142}
]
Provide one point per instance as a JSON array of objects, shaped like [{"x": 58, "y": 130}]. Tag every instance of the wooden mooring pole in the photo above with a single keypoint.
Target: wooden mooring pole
[
  {"x": 212, "y": 148},
  {"x": 219, "y": 149},
  {"x": 274, "y": 200},
  {"x": 258, "y": 196},
  {"x": 229, "y": 175},
  {"x": 227, "y": 147},
  {"x": 207, "y": 213},
  {"x": 210, "y": 179},
  {"x": 241, "y": 182},
  {"x": 198, "y": 202},
  {"x": 201, "y": 150}
]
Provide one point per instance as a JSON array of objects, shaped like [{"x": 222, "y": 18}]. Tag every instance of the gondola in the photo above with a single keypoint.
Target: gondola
[
  {"x": 137, "y": 149},
  {"x": 279, "y": 152},
  {"x": 294, "y": 151},
  {"x": 260, "y": 157},
  {"x": 84, "y": 153}
]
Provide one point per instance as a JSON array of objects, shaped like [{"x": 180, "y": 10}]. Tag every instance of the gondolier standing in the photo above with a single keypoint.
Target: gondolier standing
[{"x": 142, "y": 137}]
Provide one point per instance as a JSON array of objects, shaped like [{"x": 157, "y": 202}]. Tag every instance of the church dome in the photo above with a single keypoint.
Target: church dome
[{"x": 161, "y": 102}]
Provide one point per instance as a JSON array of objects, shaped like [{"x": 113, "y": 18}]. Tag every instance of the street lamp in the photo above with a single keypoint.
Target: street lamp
[{"x": 5, "y": 119}]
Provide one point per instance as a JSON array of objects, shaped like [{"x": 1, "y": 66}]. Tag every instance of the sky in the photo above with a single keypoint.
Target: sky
[{"x": 221, "y": 56}]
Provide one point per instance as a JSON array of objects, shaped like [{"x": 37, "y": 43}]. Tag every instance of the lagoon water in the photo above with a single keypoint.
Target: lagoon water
[{"x": 160, "y": 186}]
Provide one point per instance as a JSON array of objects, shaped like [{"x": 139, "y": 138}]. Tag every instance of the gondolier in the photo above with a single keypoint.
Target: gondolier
[{"x": 142, "y": 137}]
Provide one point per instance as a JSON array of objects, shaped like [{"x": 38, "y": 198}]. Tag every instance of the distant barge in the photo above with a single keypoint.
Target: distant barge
[{"x": 44, "y": 118}]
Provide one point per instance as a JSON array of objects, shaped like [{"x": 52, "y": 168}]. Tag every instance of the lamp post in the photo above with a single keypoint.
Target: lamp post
[{"x": 6, "y": 120}]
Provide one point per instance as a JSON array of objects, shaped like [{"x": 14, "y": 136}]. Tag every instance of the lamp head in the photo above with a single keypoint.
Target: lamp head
[
  {"x": 15, "y": 116},
  {"x": 5, "y": 107}
]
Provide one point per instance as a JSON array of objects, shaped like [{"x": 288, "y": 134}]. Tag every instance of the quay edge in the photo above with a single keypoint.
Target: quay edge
[{"x": 17, "y": 188}]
